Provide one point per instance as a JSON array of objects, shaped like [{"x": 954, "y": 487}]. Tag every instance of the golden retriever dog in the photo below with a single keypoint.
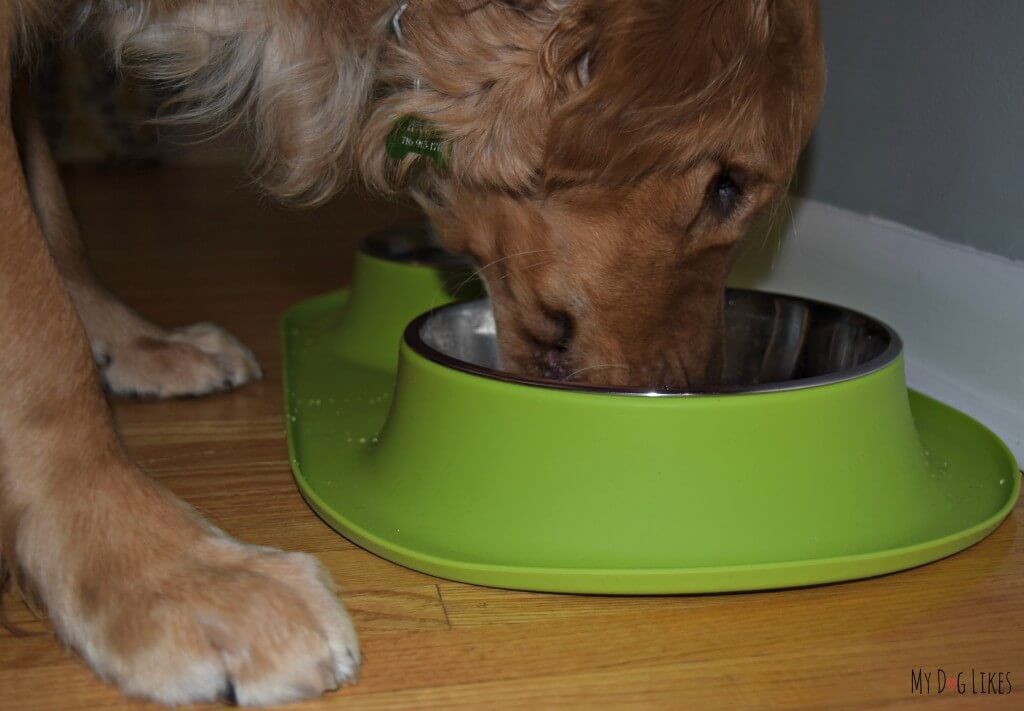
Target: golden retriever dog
[{"x": 603, "y": 157}]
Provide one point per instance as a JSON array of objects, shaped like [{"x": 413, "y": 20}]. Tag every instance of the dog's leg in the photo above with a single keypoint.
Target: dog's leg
[
  {"x": 134, "y": 356},
  {"x": 156, "y": 599}
]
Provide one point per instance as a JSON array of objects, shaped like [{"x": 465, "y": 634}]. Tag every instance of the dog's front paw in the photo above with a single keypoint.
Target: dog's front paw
[
  {"x": 195, "y": 360},
  {"x": 229, "y": 622}
]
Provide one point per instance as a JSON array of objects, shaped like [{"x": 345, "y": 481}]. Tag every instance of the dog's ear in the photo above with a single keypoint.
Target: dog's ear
[
  {"x": 487, "y": 75},
  {"x": 293, "y": 74}
]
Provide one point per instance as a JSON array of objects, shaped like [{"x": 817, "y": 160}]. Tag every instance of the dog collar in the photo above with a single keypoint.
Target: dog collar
[
  {"x": 396, "y": 22},
  {"x": 412, "y": 133}
]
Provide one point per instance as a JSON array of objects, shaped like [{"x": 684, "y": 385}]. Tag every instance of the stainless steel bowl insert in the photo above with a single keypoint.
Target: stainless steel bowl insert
[{"x": 771, "y": 343}]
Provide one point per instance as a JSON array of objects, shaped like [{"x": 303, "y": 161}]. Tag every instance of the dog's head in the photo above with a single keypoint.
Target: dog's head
[
  {"x": 605, "y": 159},
  {"x": 602, "y": 157}
]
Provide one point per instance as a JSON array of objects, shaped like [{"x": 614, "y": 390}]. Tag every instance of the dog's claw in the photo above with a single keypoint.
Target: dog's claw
[{"x": 230, "y": 697}]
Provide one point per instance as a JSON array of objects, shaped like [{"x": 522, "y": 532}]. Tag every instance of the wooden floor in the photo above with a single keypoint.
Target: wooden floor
[{"x": 187, "y": 246}]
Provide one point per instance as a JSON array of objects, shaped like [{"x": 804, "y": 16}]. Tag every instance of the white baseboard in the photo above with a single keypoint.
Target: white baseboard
[{"x": 960, "y": 312}]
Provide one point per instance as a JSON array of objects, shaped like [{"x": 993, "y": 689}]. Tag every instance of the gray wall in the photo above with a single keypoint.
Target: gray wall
[{"x": 923, "y": 121}]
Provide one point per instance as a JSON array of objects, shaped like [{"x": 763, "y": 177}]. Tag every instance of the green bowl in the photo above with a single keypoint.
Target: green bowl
[{"x": 797, "y": 469}]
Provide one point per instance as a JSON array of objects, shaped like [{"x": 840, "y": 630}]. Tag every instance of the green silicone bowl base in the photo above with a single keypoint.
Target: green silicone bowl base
[{"x": 337, "y": 405}]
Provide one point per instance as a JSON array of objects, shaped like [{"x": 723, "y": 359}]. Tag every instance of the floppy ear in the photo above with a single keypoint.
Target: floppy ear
[
  {"x": 799, "y": 24},
  {"x": 294, "y": 74},
  {"x": 487, "y": 75}
]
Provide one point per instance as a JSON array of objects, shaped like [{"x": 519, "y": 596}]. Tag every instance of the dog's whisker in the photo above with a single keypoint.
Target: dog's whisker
[
  {"x": 457, "y": 289},
  {"x": 792, "y": 215},
  {"x": 573, "y": 374},
  {"x": 478, "y": 272},
  {"x": 509, "y": 256},
  {"x": 528, "y": 267}
]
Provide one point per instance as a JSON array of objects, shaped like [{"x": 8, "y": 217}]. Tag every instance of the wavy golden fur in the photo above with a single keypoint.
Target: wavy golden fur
[{"x": 605, "y": 159}]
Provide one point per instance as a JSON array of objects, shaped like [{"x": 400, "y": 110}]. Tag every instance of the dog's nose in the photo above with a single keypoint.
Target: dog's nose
[
  {"x": 566, "y": 326},
  {"x": 554, "y": 359}
]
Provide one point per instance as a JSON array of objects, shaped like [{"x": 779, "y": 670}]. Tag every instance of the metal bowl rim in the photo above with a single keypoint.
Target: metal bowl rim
[
  {"x": 371, "y": 245},
  {"x": 891, "y": 353}
]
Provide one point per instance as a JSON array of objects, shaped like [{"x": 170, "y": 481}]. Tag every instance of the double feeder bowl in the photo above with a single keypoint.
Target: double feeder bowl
[{"x": 809, "y": 463}]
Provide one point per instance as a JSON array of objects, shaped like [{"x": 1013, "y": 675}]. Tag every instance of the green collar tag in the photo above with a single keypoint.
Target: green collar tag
[{"x": 413, "y": 134}]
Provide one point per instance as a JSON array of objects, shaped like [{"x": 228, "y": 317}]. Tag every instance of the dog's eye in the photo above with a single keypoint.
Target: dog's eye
[{"x": 725, "y": 192}]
